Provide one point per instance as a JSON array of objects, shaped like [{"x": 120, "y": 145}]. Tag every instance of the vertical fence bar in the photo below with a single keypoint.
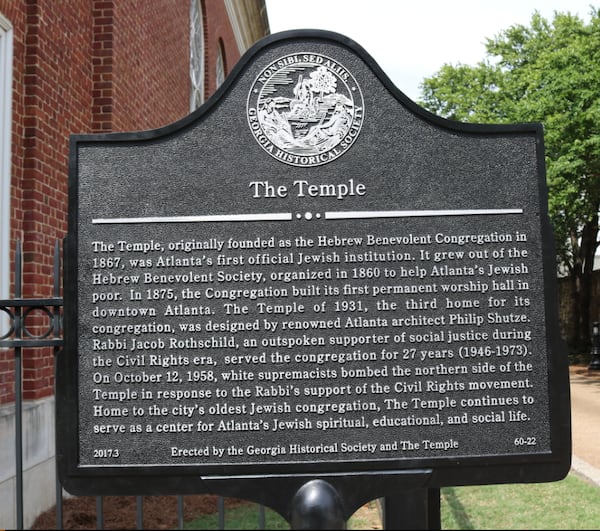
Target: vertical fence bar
[
  {"x": 221, "y": 507},
  {"x": 57, "y": 328},
  {"x": 180, "y": 512},
  {"x": 18, "y": 391},
  {"x": 99, "y": 512},
  {"x": 59, "y": 504},
  {"x": 261, "y": 517},
  {"x": 139, "y": 501}
]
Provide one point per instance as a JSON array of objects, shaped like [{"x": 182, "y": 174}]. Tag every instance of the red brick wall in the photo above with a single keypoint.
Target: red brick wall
[
  {"x": 17, "y": 17},
  {"x": 51, "y": 98},
  {"x": 218, "y": 30},
  {"x": 86, "y": 66},
  {"x": 151, "y": 61},
  {"x": 141, "y": 72}
]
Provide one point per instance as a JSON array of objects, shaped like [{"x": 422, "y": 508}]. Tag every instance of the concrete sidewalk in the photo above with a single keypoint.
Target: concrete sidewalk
[
  {"x": 585, "y": 422},
  {"x": 585, "y": 470}
]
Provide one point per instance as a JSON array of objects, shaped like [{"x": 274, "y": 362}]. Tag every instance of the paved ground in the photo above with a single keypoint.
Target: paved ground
[{"x": 585, "y": 420}]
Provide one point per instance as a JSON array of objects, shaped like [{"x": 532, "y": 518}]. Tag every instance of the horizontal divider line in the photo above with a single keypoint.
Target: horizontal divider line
[
  {"x": 418, "y": 213},
  {"x": 283, "y": 216},
  {"x": 286, "y": 216}
]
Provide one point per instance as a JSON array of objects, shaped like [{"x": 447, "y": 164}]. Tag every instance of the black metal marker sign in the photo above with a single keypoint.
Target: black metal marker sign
[{"x": 308, "y": 276}]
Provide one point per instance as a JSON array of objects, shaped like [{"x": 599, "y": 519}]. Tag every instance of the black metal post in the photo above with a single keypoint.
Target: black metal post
[
  {"x": 595, "y": 363},
  {"x": 412, "y": 509}
]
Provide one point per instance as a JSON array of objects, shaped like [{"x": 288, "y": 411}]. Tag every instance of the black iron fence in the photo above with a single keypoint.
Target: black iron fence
[
  {"x": 21, "y": 335},
  {"x": 37, "y": 323}
]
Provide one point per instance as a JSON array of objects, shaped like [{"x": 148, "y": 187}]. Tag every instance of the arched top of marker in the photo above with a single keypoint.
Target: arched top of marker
[{"x": 304, "y": 94}]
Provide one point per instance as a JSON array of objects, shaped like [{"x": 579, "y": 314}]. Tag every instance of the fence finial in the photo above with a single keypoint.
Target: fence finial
[{"x": 317, "y": 505}]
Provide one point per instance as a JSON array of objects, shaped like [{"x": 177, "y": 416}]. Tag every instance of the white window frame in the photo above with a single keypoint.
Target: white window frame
[
  {"x": 196, "y": 54},
  {"x": 220, "y": 73},
  {"x": 6, "y": 76}
]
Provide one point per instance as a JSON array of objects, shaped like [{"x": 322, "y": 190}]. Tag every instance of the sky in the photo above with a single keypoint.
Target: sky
[{"x": 412, "y": 39}]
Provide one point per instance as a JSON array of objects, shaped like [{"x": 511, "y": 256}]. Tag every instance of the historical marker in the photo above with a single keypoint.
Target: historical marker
[{"x": 310, "y": 275}]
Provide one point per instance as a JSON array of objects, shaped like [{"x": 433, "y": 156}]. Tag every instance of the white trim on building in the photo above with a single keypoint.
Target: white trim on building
[
  {"x": 6, "y": 76},
  {"x": 196, "y": 54},
  {"x": 236, "y": 25},
  {"x": 220, "y": 66},
  {"x": 247, "y": 28}
]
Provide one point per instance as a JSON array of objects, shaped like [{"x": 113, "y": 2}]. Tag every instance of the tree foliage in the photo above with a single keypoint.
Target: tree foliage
[{"x": 547, "y": 72}]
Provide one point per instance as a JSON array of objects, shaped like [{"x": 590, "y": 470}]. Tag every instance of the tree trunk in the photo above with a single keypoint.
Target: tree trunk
[
  {"x": 573, "y": 337},
  {"x": 587, "y": 250}
]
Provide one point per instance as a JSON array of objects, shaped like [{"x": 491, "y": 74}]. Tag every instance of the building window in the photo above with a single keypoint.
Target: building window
[
  {"x": 221, "y": 67},
  {"x": 196, "y": 54},
  {"x": 6, "y": 60}
]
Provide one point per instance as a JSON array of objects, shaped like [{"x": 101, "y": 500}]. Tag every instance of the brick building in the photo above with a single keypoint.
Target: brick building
[{"x": 85, "y": 66}]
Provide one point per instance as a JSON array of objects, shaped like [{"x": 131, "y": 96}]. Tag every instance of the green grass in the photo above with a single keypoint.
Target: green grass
[
  {"x": 241, "y": 517},
  {"x": 571, "y": 503}
]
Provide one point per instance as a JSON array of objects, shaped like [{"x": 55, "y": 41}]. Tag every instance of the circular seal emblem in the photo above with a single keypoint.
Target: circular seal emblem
[{"x": 305, "y": 109}]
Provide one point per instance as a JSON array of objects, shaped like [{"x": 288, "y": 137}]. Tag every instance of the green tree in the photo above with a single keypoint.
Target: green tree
[{"x": 547, "y": 72}]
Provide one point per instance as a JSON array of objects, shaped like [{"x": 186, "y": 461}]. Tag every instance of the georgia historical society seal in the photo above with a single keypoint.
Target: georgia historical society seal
[{"x": 305, "y": 109}]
